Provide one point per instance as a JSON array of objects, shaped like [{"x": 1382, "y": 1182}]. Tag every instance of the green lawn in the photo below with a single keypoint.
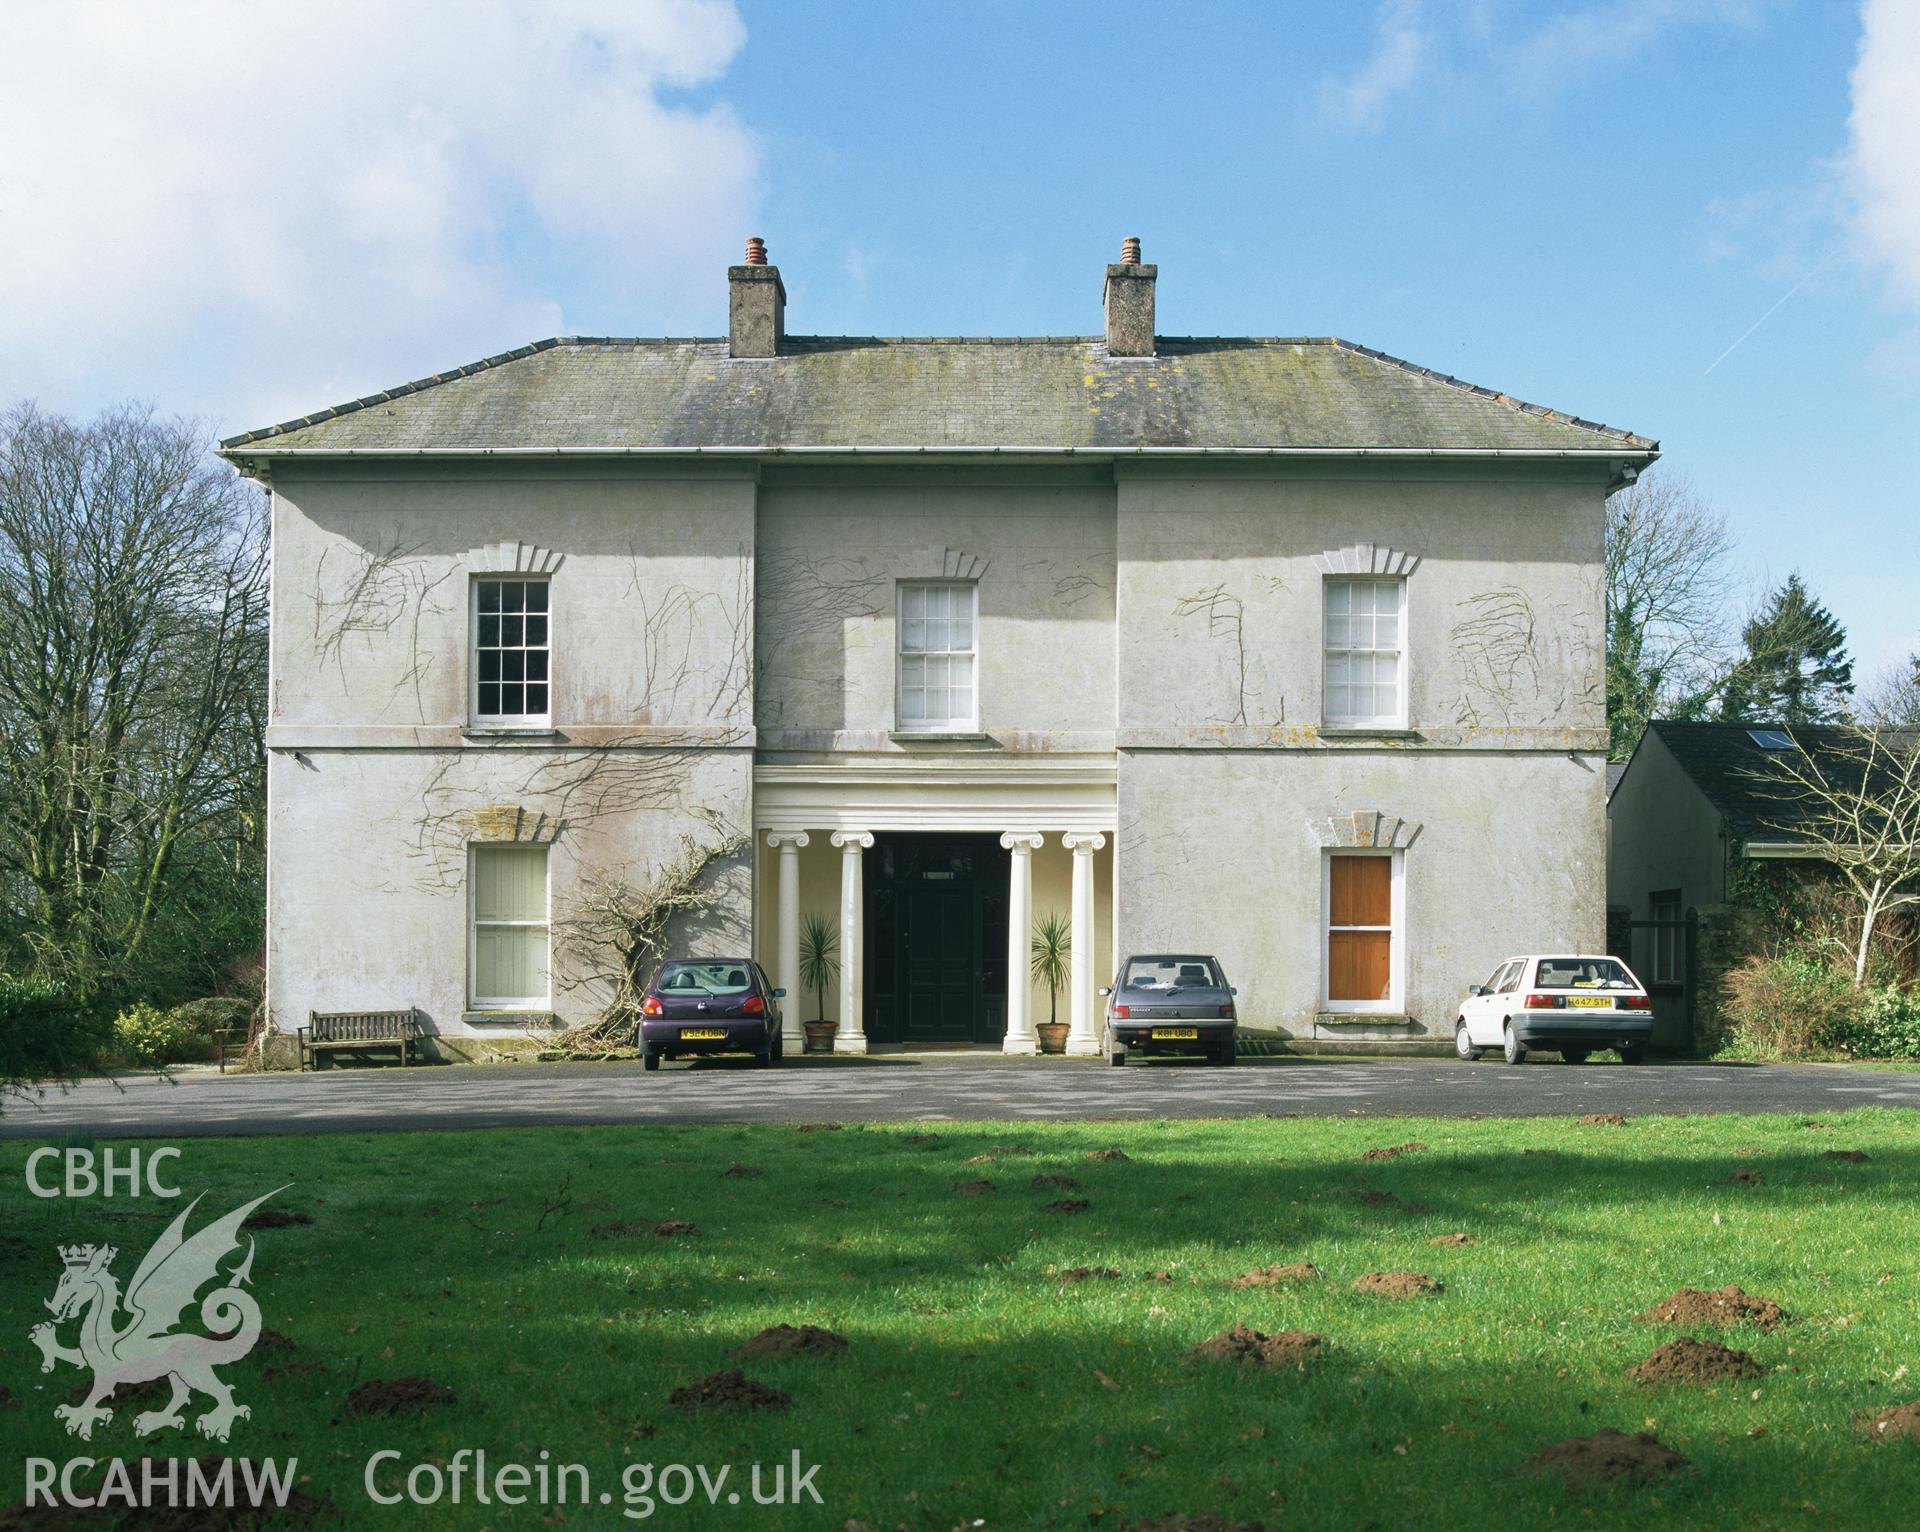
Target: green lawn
[{"x": 980, "y": 1388}]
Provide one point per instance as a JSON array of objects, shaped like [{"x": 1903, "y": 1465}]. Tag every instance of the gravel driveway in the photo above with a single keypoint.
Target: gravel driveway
[{"x": 920, "y": 1088}]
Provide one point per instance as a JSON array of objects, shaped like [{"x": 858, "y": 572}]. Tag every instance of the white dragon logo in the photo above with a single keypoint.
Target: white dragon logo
[{"x": 147, "y": 1346}]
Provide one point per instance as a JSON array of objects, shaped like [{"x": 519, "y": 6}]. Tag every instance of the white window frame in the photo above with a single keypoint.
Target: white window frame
[
  {"x": 1395, "y": 1003},
  {"x": 1398, "y": 718},
  {"x": 475, "y": 1000},
  {"x": 901, "y": 725},
  {"x": 505, "y": 720}
]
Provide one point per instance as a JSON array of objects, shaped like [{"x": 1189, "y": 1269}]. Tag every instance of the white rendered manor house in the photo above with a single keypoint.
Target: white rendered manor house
[{"x": 1283, "y": 650}]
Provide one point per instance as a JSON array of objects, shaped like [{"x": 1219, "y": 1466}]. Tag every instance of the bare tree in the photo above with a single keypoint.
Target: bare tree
[
  {"x": 1892, "y": 698},
  {"x": 1855, "y": 802},
  {"x": 1667, "y": 583},
  {"x": 615, "y": 932},
  {"x": 133, "y": 608}
]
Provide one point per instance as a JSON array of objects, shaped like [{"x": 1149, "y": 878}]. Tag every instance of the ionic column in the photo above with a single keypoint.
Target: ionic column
[
  {"x": 852, "y": 1036},
  {"x": 1020, "y": 1033},
  {"x": 1083, "y": 1038},
  {"x": 786, "y": 962}
]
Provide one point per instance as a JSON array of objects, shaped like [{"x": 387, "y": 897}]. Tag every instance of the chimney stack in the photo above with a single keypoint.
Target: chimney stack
[
  {"x": 756, "y": 305},
  {"x": 1129, "y": 302}
]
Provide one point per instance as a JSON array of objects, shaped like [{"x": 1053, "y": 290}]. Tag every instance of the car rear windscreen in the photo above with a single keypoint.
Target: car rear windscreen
[
  {"x": 1581, "y": 973},
  {"x": 1171, "y": 973},
  {"x": 704, "y": 979}
]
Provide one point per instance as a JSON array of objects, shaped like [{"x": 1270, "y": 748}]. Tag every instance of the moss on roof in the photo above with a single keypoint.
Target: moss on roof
[{"x": 1046, "y": 394}]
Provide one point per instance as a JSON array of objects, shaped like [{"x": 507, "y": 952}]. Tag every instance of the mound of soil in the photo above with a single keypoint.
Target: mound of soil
[
  {"x": 794, "y": 1340},
  {"x": 973, "y": 1188},
  {"x": 396, "y": 1396},
  {"x": 1687, "y": 1360},
  {"x": 1273, "y": 1276},
  {"x": 819, "y": 1127},
  {"x": 729, "y": 1389},
  {"x": 275, "y": 1218},
  {"x": 1746, "y": 1178},
  {"x": 1206, "y": 1521},
  {"x": 1851, "y": 1156},
  {"x": 1067, "y": 1205},
  {"x": 1087, "y": 1273},
  {"x": 271, "y": 1342},
  {"x": 673, "y": 1228},
  {"x": 1723, "y": 1306},
  {"x": 923, "y": 1140},
  {"x": 1453, "y": 1239},
  {"x": 1062, "y": 1183},
  {"x": 1599, "y": 1120},
  {"x": 1412, "y": 1146},
  {"x": 1398, "y": 1284},
  {"x": 742, "y": 1173},
  {"x": 6, "y": 1396},
  {"x": 1825, "y": 1127},
  {"x": 1607, "y": 1455},
  {"x": 1900, "y": 1422},
  {"x": 1159, "y": 1276},
  {"x": 1290, "y": 1348},
  {"x": 1108, "y": 1154}
]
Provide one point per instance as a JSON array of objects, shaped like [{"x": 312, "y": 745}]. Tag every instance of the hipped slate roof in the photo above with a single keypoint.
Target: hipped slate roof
[
  {"x": 1732, "y": 771},
  {"x": 823, "y": 393}
]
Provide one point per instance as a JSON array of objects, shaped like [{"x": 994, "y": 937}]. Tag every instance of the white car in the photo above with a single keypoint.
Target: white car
[{"x": 1573, "y": 1005}]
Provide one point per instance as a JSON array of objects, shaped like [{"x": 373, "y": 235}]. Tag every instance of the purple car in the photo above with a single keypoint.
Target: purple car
[{"x": 697, "y": 1006}]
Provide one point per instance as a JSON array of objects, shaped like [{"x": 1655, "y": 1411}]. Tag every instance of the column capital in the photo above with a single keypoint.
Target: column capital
[
  {"x": 852, "y": 840},
  {"x": 1020, "y": 842},
  {"x": 781, "y": 839},
  {"x": 1087, "y": 841}
]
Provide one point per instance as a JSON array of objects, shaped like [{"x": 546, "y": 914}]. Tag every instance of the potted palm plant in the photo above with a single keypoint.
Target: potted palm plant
[
  {"x": 819, "y": 967},
  {"x": 1052, "y": 956}
]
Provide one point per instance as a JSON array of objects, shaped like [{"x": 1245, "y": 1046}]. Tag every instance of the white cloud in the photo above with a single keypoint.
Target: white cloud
[
  {"x": 1459, "y": 49},
  {"x": 1882, "y": 164},
  {"x": 274, "y": 207},
  {"x": 1392, "y": 68}
]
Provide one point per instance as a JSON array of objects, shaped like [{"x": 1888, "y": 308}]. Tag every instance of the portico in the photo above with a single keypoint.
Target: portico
[{"x": 934, "y": 881}]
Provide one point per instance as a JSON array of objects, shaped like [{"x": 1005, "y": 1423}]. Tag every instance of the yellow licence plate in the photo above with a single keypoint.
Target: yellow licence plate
[
  {"x": 703, "y": 1034},
  {"x": 1175, "y": 1034},
  {"x": 1590, "y": 1002}
]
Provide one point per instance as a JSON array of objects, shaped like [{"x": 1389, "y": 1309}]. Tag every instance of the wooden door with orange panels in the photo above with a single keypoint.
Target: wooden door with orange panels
[{"x": 1360, "y": 929}]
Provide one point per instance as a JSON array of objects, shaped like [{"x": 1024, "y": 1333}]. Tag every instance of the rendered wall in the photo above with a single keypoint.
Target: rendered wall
[{"x": 376, "y": 783}]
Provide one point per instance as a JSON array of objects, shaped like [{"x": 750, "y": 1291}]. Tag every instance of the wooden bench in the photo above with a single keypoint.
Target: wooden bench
[
  {"x": 232, "y": 1044},
  {"x": 330, "y": 1033}
]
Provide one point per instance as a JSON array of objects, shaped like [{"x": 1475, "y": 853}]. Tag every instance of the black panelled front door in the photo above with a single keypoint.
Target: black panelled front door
[
  {"x": 936, "y": 938},
  {"x": 940, "y": 945}
]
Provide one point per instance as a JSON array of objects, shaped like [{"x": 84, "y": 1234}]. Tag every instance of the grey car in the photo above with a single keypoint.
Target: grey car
[{"x": 1171, "y": 1002}]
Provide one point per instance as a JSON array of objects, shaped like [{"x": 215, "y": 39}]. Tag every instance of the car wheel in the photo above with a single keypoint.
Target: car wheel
[
  {"x": 1462, "y": 1044},
  {"x": 1511, "y": 1048},
  {"x": 1573, "y": 1055},
  {"x": 1228, "y": 1055},
  {"x": 779, "y": 1045},
  {"x": 1633, "y": 1053},
  {"x": 649, "y": 1061},
  {"x": 764, "y": 1059}
]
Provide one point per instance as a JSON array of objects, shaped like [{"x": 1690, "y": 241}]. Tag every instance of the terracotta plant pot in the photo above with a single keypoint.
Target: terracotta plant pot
[
  {"x": 819, "y": 1036},
  {"x": 1053, "y": 1036}
]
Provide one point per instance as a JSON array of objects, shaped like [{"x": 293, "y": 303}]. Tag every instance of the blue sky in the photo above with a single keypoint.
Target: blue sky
[{"x": 1585, "y": 205}]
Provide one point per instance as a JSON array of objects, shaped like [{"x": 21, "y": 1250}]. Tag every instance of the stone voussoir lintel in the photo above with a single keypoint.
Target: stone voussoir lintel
[{"x": 1367, "y": 829}]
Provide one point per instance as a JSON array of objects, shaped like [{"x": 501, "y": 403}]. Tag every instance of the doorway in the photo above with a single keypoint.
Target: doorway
[{"x": 936, "y": 922}]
